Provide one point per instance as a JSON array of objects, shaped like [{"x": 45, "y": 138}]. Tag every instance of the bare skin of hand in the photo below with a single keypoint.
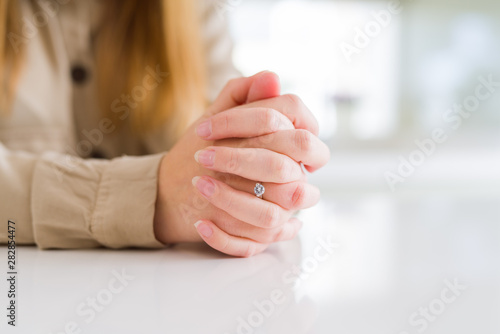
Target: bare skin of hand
[{"x": 250, "y": 133}]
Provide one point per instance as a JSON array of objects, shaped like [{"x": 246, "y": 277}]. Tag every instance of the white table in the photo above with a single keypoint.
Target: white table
[{"x": 393, "y": 259}]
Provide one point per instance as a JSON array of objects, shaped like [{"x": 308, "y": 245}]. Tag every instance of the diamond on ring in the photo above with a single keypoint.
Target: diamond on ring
[{"x": 259, "y": 190}]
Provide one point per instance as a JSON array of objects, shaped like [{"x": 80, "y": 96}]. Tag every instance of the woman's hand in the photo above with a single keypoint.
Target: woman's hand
[{"x": 230, "y": 218}]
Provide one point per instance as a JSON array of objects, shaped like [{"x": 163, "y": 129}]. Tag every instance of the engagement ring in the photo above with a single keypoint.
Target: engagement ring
[{"x": 259, "y": 190}]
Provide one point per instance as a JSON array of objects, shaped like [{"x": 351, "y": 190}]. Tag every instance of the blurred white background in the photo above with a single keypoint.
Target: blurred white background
[
  {"x": 379, "y": 77},
  {"x": 412, "y": 193}
]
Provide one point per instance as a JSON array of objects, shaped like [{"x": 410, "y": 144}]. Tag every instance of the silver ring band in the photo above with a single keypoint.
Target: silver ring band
[{"x": 259, "y": 190}]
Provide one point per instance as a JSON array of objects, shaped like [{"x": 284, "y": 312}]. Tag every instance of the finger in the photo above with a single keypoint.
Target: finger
[
  {"x": 243, "y": 123},
  {"x": 239, "y": 204},
  {"x": 295, "y": 195},
  {"x": 251, "y": 163},
  {"x": 292, "y": 107},
  {"x": 292, "y": 196},
  {"x": 300, "y": 145},
  {"x": 237, "y": 228},
  {"x": 225, "y": 243},
  {"x": 265, "y": 85},
  {"x": 239, "y": 91}
]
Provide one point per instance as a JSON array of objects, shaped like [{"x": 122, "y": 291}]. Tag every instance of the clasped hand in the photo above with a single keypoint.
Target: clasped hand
[{"x": 250, "y": 134}]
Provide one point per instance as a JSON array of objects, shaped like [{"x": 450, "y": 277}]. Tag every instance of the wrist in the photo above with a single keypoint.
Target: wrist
[
  {"x": 159, "y": 221},
  {"x": 168, "y": 222}
]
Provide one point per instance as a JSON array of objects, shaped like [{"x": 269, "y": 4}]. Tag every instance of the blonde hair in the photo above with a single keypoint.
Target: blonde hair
[{"x": 135, "y": 36}]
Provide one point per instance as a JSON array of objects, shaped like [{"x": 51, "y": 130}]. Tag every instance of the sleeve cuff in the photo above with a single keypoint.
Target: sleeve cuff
[
  {"x": 90, "y": 203},
  {"x": 125, "y": 203}
]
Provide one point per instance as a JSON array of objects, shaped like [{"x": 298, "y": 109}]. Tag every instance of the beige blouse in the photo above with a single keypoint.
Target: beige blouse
[{"x": 52, "y": 184}]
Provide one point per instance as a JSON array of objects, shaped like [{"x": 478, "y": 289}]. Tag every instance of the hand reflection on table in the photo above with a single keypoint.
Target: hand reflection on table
[
  {"x": 185, "y": 289},
  {"x": 235, "y": 295}
]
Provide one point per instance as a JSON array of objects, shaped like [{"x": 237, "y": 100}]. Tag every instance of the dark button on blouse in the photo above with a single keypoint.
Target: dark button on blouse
[
  {"x": 97, "y": 155},
  {"x": 79, "y": 74}
]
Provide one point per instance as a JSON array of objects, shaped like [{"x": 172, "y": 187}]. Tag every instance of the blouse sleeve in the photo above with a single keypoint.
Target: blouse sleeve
[{"x": 61, "y": 201}]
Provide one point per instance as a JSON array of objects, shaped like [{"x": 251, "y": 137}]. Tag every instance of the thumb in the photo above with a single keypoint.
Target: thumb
[
  {"x": 244, "y": 90},
  {"x": 265, "y": 85}
]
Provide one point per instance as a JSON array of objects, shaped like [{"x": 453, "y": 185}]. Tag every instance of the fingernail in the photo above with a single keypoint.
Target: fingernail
[
  {"x": 206, "y": 187},
  {"x": 203, "y": 229},
  {"x": 204, "y": 130},
  {"x": 205, "y": 157}
]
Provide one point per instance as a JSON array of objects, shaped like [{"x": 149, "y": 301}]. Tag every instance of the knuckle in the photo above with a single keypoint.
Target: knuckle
[
  {"x": 250, "y": 250},
  {"x": 229, "y": 201},
  {"x": 224, "y": 122},
  {"x": 303, "y": 140},
  {"x": 299, "y": 106},
  {"x": 293, "y": 99},
  {"x": 233, "y": 161},
  {"x": 231, "y": 84},
  {"x": 279, "y": 234},
  {"x": 283, "y": 169},
  {"x": 224, "y": 246},
  {"x": 270, "y": 216},
  {"x": 298, "y": 196},
  {"x": 268, "y": 119}
]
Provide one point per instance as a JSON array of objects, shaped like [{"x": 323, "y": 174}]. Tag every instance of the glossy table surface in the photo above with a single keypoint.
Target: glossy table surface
[{"x": 364, "y": 263}]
